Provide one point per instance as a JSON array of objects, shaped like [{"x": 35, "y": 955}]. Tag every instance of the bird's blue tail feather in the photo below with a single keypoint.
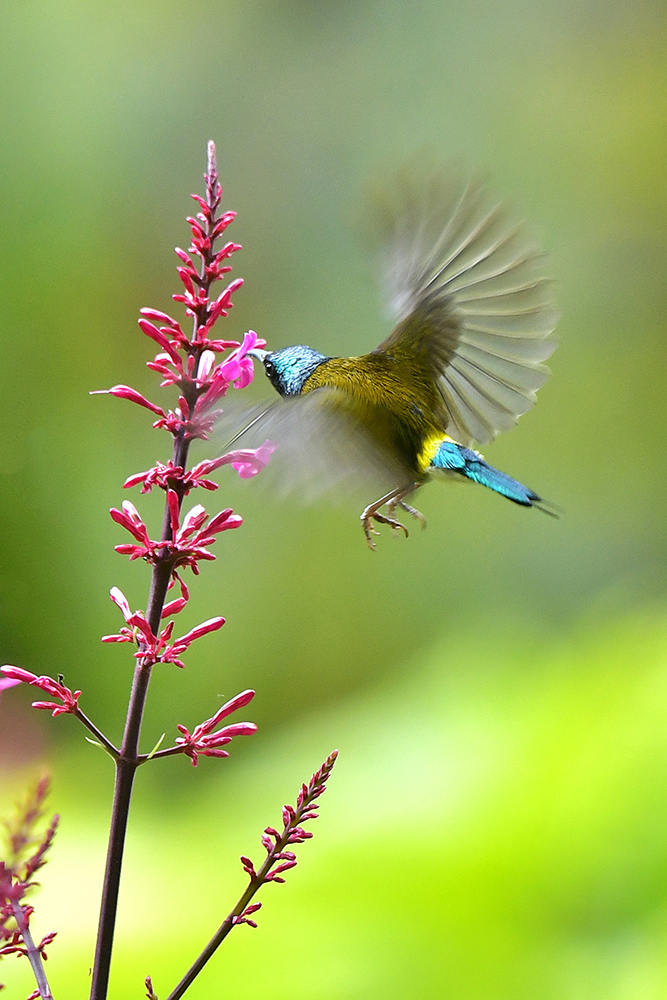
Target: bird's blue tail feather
[{"x": 453, "y": 457}]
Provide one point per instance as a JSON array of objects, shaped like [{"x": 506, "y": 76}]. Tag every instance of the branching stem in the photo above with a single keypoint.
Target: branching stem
[
  {"x": 98, "y": 734},
  {"x": 127, "y": 762},
  {"x": 292, "y": 832}
]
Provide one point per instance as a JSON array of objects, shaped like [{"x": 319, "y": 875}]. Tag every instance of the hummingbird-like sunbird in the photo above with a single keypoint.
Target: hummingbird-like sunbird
[{"x": 473, "y": 307}]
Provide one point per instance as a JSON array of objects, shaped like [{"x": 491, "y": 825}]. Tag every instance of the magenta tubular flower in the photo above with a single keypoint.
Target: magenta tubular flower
[
  {"x": 203, "y": 740},
  {"x": 127, "y": 392},
  {"x": 69, "y": 699}
]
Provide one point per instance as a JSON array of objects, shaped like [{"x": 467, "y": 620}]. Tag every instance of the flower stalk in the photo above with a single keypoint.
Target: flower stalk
[
  {"x": 190, "y": 364},
  {"x": 278, "y": 860},
  {"x": 25, "y": 855},
  {"x": 32, "y": 952}
]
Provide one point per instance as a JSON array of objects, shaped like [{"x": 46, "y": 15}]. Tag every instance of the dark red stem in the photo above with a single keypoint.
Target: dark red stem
[{"x": 126, "y": 766}]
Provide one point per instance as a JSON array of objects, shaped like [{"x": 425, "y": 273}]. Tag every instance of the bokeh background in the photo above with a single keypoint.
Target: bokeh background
[{"x": 496, "y": 827}]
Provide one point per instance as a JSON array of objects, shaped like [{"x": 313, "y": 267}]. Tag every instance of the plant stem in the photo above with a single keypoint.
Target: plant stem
[
  {"x": 226, "y": 926},
  {"x": 214, "y": 943},
  {"x": 34, "y": 957},
  {"x": 99, "y": 736},
  {"x": 260, "y": 877},
  {"x": 126, "y": 765}
]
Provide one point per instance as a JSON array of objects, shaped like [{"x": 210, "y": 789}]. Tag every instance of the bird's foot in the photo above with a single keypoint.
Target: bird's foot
[
  {"x": 391, "y": 501},
  {"x": 370, "y": 515},
  {"x": 412, "y": 511}
]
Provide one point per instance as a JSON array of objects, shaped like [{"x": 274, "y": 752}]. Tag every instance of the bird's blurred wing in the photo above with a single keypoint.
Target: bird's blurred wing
[
  {"x": 320, "y": 447},
  {"x": 467, "y": 285}
]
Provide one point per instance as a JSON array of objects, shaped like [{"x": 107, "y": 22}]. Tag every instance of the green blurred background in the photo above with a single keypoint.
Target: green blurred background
[{"x": 496, "y": 828}]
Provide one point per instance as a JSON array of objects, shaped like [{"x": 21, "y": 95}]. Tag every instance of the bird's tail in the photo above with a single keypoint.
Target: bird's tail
[{"x": 454, "y": 458}]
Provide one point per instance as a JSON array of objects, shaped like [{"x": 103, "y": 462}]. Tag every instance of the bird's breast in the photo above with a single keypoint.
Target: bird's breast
[{"x": 397, "y": 404}]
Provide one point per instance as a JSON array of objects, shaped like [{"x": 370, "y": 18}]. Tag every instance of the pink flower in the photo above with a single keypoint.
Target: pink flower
[
  {"x": 236, "y": 368},
  {"x": 171, "y": 329},
  {"x": 68, "y": 698},
  {"x": 127, "y": 392},
  {"x": 248, "y": 462},
  {"x": 161, "y": 337},
  {"x": 157, "y": 649},
  {"x": 173, "y": 607},
  {"x": 171, "y": 653},
  {"x": 204, "y": 741},
  {"x": 7, "y": 683},
  {"x": 189, "y": 541},
  {"x": 130, "y": 519}
]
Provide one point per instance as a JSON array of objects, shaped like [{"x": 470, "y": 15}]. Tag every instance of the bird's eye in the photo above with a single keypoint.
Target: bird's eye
[{"x": 268, "y": 367}]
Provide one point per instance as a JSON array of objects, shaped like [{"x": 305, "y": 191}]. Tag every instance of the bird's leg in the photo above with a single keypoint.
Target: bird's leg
[
  {"x": 391, "y": 500},
  {"x": 399, "y": 502}
]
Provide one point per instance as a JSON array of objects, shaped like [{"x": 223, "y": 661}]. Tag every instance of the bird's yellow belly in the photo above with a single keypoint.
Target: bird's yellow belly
[{"x": 394, "y": 407}]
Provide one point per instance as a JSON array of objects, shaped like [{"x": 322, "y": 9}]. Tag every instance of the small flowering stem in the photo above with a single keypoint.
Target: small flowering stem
[
  {"x": 99, "y": 736},
  {"x": 32, "y": 952},
  {"x": 126, "y": 765},
  {"x": 277, "y": 855}
]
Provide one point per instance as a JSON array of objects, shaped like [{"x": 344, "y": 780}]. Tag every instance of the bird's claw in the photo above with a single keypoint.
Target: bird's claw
[
  {"x": 391, "y": 502},
  {"x": 412, "y": 511},
  {"x": 366, "y": 523}
]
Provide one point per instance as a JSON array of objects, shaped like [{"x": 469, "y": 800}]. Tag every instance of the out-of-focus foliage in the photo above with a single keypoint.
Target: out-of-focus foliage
[{"x": 495, "y": 684}]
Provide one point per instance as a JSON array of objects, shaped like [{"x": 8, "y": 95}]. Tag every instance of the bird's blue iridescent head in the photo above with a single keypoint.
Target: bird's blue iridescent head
[{"x": 289, "y": 368}]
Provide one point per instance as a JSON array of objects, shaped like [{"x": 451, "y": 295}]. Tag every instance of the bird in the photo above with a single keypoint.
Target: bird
[{"x": 473, "y": 308}]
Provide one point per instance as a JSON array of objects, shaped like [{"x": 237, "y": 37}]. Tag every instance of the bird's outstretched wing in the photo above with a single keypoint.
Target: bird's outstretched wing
[
  {"x": 321, "y": 447},
  {"x": 468, "y": 286}
]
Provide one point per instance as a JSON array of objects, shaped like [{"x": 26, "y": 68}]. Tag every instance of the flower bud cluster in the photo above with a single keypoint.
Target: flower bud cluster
[
  {"x": 156, "y": 648},
  {"x": 189, "y": 538},
  {"x": 279, "y": 859},
  {"x": 203, "y": 740},
  {"x": 69, "y": 700},
  {"x": 26, "y": 854}
]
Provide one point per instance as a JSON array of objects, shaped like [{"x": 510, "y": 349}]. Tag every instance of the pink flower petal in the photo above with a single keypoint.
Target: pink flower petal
[
  {"x": 18, "y": 674},
  {"x": 212, "y": 625},
  {"x": 127, "y": 392},
  {"x": 120, "y": 600}
]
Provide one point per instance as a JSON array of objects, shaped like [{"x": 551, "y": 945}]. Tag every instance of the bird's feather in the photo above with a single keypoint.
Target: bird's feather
[
  {"x": 469, "y": 290},
  {"x": 322, "y": 448}
]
